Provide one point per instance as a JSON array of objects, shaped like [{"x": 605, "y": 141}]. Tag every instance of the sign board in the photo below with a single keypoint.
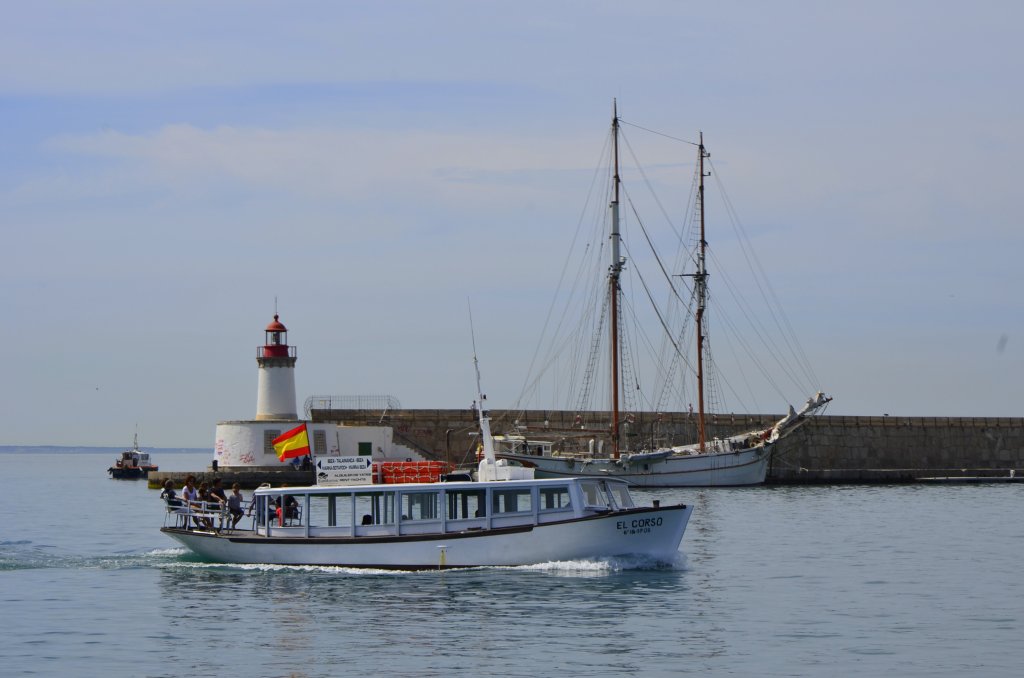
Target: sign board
[{"x": 336, "y": 471}]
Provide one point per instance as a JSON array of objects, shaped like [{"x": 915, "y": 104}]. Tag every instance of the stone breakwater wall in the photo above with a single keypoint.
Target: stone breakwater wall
[
  {"x": 901, "y": 449},
  {"x": 828, "y": 449},
  {"x": 248, "y": 479}
]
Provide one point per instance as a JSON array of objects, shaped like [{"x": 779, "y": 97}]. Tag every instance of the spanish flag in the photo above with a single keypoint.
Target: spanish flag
[{"x": 294, "y": 443}]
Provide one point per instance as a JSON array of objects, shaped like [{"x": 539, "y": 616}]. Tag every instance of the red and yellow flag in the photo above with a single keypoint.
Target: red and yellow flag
[{"x": 294, "y": 443}]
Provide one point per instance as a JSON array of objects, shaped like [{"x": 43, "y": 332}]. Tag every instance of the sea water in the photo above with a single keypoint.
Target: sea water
[{"x": 793, "y": 581}]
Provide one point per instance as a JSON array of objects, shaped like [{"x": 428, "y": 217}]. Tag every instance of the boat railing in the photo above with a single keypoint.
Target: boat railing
[
  {"x": 210, "y": 515},
  {"x": 287, "y": 520}
]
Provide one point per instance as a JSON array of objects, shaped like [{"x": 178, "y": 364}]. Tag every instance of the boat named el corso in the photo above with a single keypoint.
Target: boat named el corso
[{"x": 438, "y": 525}]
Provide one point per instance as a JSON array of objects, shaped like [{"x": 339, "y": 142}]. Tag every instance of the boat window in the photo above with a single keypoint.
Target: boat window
[
  {"x": 593, "y": 493},
  {"x": 330, "y": 510},
  {"x": 465, "y": 504},
  {"x": 261, "y": 510},
  {"x": 343, "y": 510},
  {"x": 375, "y": 508},
  {"x": 420, "y": 506},
  {"x": 620, "y": 493},
  {"x": 320, "y": 511},
  {"x": 266, "y": 509},
  {"x": 555, "y": 498},
  {"x": 518, "y": 500}
]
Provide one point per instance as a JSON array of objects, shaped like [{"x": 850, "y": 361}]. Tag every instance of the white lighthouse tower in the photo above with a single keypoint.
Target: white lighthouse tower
[{"x": 275, "y": 395}]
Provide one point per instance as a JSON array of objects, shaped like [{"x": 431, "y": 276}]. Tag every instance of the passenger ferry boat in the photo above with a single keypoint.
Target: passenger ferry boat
[
  {"x": 504, "y": 517},
  {"x": 437, "y": 525}
]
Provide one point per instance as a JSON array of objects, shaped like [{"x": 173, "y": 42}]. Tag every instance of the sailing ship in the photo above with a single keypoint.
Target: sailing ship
[{"x": 738, "y": 459}]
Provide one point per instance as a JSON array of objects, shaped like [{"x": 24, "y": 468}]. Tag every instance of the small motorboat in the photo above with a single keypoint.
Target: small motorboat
[{"x": 133, "y": 464}]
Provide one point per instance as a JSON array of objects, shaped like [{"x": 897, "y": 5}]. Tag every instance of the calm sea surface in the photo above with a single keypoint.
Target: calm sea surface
[{"x": 820, "y": 581}]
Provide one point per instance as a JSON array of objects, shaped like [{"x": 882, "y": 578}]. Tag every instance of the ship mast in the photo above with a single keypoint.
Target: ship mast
[
  {"x": 613, "y": 282},
  {"x": 700, "y": 279}
]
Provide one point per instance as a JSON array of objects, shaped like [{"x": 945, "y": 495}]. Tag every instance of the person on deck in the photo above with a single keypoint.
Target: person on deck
[
  {"x": 217, "y": 493},
  {"x": 174, "y": 505},
  {"x": 169, "y": 495},
  {"x": 235, "y": 500},
  {"x": 205, "y": 503},
  {"x": 286, "y": 507},
  {"x": 190, "y": 497}
]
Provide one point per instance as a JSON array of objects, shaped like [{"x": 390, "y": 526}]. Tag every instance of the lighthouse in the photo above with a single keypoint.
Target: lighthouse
[
  {"x": 249, "y": 445},
  {"x": 275, "y": 395}
]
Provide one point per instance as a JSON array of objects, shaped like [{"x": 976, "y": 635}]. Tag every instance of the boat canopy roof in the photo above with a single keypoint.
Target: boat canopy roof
[{"x": 431, "y": 487}]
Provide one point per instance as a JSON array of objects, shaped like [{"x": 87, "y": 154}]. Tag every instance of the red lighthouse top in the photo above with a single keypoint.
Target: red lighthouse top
[
  {"x": 276, "y": 326},
  {"x": 277, "y": 340}
]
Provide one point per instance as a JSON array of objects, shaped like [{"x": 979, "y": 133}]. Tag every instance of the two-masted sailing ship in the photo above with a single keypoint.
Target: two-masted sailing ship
[{"x": 738, "y": 459}]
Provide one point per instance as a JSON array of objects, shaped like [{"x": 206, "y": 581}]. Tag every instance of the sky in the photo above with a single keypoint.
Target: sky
[{"x": 172, "y": 170}]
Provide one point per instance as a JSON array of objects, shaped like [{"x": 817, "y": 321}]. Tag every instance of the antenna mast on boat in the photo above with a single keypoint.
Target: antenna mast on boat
[
  {"x": 613, "y": 282},
  {"x": 700, "y": 279},
  {"x": 484, "y": 416}
]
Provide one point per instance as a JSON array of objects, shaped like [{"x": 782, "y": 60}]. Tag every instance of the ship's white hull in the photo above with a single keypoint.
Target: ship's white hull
[
  {"x": 718, "y": 469},
  {"x": 651, "y": 532}
]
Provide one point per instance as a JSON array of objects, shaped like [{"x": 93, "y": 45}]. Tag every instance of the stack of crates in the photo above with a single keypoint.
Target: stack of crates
[{"x": 394, "y": 472}]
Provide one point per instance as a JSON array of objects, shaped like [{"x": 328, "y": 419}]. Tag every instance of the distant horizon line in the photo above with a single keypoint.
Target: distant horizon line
[{"x": 98, "y": 448}]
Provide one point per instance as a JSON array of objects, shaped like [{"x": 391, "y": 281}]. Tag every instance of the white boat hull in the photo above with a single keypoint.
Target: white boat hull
[
  {"x": 650, "y": 532},
  {"x": 718, "y": 469}
]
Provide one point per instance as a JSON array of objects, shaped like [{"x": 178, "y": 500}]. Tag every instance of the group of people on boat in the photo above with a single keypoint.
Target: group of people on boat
[{"x": 206, "y": 499}]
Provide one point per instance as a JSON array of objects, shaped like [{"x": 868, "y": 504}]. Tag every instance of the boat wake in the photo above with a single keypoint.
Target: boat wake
[
  {"x": 183, "y": 560},
  {"x": 187, "y": 564},
  {"x": 603, "y": 566},
  {"x": 28, "y": 555}
]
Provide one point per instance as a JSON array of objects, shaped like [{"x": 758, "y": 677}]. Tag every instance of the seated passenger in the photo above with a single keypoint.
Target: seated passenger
[
  {"x": 206, "y": 503},
  {"x": 235, "y": 500},
  {"x": 286, "y": 508},
  {"x": 169, "y": 495},
  {"x": 190, "y": 496},
  {"x": 367, "y": 519},
  {"x": 291, "y": 507},
  {"x": 217, "y": 493}
]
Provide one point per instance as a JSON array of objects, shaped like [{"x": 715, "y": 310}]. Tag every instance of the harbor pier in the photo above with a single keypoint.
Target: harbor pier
[
  {"x": 248, "y": 478},
  {"x": 827, "y": 450}
]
